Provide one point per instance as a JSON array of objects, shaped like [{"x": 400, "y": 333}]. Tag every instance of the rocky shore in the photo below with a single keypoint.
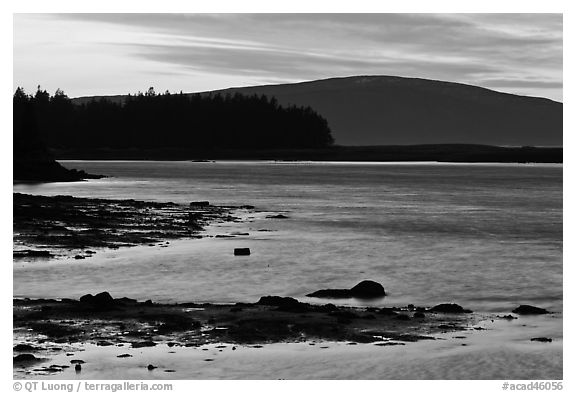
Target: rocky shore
[
  {"x": 45, "y": 326},
  {"x": 45, "y": 227}
]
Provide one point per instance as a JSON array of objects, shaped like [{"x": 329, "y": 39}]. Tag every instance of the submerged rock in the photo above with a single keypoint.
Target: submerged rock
[
  {"x": 241, "y": 251},
  {"x": 529, "y": 310},
  {"x": 449, "y": 308},
  {"x": 542, "y": 339},
  {"x": 366, "y": 289}
]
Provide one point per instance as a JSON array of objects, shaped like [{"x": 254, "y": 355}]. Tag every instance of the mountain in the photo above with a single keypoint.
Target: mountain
[{"x": 390, "y": 110}]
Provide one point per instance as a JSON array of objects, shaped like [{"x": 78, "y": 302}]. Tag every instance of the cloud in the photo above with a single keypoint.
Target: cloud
[{"x": 492, "y": 50}]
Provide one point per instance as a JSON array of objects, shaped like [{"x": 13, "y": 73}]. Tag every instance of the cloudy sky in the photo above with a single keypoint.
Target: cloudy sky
[{"x": 100, "y": 54}]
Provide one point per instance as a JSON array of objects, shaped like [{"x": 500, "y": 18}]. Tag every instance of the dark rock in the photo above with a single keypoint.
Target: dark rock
[
  {"x": 143, "y": 344},
  {"x": 151, "y": 367},
  {"x": 100, "y": 300},
  {"x": 124, "y": 355},
  {"x": 78, "y": 368},
  {"x": 24, "y": 348},
  {"x": 32, "y": 254},
  {"x": 125, "y": 300},
  {"x": 79, "y": 257},
  {"x": 387, "y": 311},
  {"x": 508, "y": 317},
  {"x": 365, "y": 290},
  {"x": 449, "y": 308},
  {"x": 542, "y": 339},
  {"x": 529, "y": 310},
  {"x": 77, "y": 361},
  {"x": 331, "y": 293},
  {"x": 277, "y": 301},
  {"x": 418, "y": 314},
  {"x": 200, "y": 203},
  {"x": 279, "y": 216},
  {"x": 327, "y": 308},
  {"x": 368, "y": 289},
  {"x": 25, "y": 358},
  {"x": 241, "y": 251}
]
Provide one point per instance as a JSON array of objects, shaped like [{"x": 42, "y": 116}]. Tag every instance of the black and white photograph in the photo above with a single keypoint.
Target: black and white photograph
[{"x": 287, "y": 196}]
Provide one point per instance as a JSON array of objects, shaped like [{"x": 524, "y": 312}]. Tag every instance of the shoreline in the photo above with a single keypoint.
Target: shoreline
[
  {"x": 54, "y": 226},
  {"x": 116, "y": 338},
  {"x": 456, "y": 153}
]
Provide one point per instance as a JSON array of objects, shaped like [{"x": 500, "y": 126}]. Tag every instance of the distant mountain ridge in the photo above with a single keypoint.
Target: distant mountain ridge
[{"x": 391, "y": 110}]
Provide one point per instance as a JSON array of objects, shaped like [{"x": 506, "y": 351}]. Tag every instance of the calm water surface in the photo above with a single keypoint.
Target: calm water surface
[{"x": 488, "y": 237}]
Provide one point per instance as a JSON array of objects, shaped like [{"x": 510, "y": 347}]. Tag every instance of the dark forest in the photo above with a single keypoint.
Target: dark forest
[{"x": 150, "y": 120}]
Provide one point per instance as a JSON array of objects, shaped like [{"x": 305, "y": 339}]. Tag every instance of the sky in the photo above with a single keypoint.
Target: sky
[{"x": 107, "y": 54}]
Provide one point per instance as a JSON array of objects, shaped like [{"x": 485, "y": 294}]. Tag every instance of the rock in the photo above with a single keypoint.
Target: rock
[
  {"x": 24, "y": 348},
  {"x": 100, "y": 300},
  {"x": 365, "y": 290},
  {"x": 25, "y": 358},
  {"x": 200, "y": 203},
  {"x": 542, "y": 339},
  {"x": 151, "y": 367},
  {"x": 331, "y": 293},
  {"x": 418, "y": 314},
  {"x": 327, "y": 308},
  {"x": 277, "y": 301},
  {"x": 529, "y": 310},
  {"x": 279, "y": 216},
  {"x": 79, "y": 257},
  {"x": 449, "y": 308},
  {"x": 77, "y": 361},
  {"x": 241, "y": 251},
  {"x": 32, "y": 254},
  {"x": 78, "y": 368},
  {"x": 143, "y": 344},
  {"x": 368, "y": 289},
  {"x": 508, "y": 317},
  {"x": 124, "y": 355},
  {"x": 387, "y": 311}
]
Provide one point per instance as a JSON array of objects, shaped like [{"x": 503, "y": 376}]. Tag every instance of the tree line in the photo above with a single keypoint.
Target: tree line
[{"x": 151, "y": 120}]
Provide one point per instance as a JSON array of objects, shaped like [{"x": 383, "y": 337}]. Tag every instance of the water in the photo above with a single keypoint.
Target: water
[{"x": 488, "y": 237}]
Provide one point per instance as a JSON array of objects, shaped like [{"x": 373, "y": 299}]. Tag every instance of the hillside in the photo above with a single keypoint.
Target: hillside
[
  {"x": 382, "y": 110},
  {"x": 389, "y": 110}
]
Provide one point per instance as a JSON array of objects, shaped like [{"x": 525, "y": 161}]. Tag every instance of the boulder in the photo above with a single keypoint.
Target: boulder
[
  {"x": 100, "y": 299},
  {"x": 449, "y": 308},
  {"x": 368, "y": 289},
  {"x": 277, "y": 301},
  {"x": 241, "y": 251},
  {"x": 529, "y": 310},
  {"x": 25, "y": 358},
  {"x": 365, "y": 290}
]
